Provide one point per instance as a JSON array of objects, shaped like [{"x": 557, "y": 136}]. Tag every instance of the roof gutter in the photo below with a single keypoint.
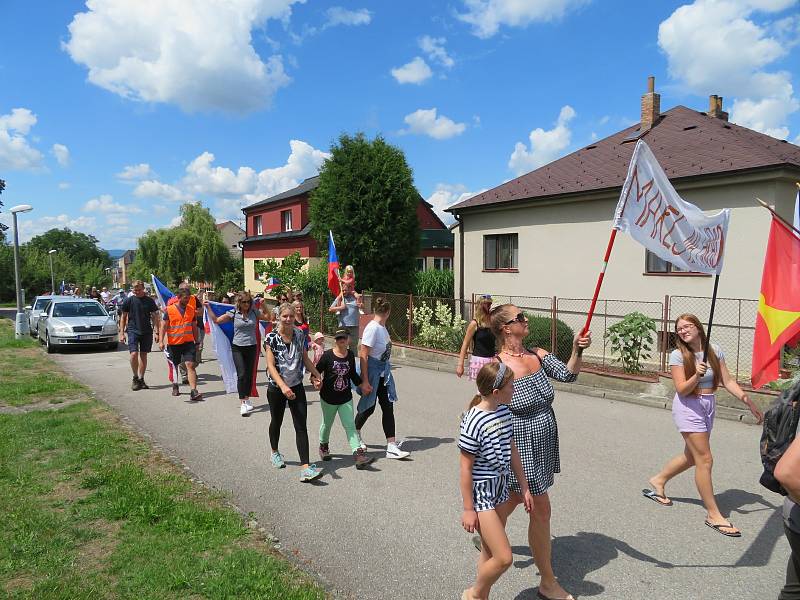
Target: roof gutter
[{"x": 460, "y": 221}]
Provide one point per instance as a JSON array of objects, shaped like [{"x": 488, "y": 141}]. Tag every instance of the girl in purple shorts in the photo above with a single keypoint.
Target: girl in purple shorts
[{"x": 693, "y": 412}]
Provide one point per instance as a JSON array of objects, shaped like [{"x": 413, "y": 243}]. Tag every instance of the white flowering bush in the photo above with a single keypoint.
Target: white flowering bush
[{"x": 437, "y": 328}]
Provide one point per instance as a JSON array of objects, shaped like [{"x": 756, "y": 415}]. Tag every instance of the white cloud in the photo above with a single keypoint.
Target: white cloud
[
  {"x": 434, "y": 48},
  {"x": 415, "y": 71},
  {"x": 64, "y": 185},
  {"x": 61, "y": 152},
  {"x": 446, "y": 195},
  {"x": 176, "y": 220},
  {"x": 486, "y": 16},
  {"x": 105, "y": 204},
  {"x": 425, "y": 122},
  {"x": 15, "y": 151},
  {"x": 341, "y": 16},
  {"x": 160, "y": 209},
  {"x": 31, "y": 227},
  {"x": 117, "y": 220},
  {"x": 197, "y": 55},
  {"x": 715, "y": 46},
  {"x": 546, "y": 145},
  {"x": 156, "y": 189},
  {"x": 203, "y": 178},
  {"x": 136, "y": 172}
]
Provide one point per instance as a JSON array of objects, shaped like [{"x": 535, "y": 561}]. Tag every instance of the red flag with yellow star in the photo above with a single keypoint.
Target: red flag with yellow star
[{"x": 778, "y": 319}]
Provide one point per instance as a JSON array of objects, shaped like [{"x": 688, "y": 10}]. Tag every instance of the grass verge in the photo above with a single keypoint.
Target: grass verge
[{"x": 87, "y": 510}]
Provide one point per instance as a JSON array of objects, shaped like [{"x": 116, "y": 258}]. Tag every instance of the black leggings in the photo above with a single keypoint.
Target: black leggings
[
  {"x": 244, "y": 358},
  {"x": 791, "y": 590},
  {"x": 277, "y": 406},
  {"x": 387, "y": 411}
]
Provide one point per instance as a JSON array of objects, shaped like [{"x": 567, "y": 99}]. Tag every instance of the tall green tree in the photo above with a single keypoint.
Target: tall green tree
[
  {"x": 193, "y": 250},
  {"x": 78, "y": 247},
  {"x": 288, "y": 272},
  {"x": 366, "y": 196}
]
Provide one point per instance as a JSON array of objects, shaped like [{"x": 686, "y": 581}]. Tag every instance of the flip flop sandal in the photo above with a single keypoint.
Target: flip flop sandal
[
  {"x": 657, "y": 498},
  {"x": 718, "y": 529}
]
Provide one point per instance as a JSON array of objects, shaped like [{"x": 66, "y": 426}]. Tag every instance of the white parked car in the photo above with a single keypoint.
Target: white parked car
[
  {"x": 34, "y": 310},
  {"x": 73, "y": 322}
]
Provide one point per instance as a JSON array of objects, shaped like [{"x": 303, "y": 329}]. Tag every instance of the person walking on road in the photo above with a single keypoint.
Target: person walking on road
[
  {"x": 479, "y": 334},
  {"x": 346, "y": 307},
  {"x": 787, "y": 472},
  {"x": 194, "y": 301},
  {"x": 488, "y": 455},
  {"x": 337, "y": 367},
  {"x": 535, "y": 430},
  {"x": 301, "y": 320},
  {"x": 244, "y": 346},
  {"x": 178, "y": 334},
  {"x": 138, "y": 321},
  {"x": 378, "y": 385},
  {"x": 693, "y": 411},
  {"x": 286, "y": 357}
]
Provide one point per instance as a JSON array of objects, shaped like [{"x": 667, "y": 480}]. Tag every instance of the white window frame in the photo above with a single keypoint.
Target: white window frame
[
  {"x": 445, "y": 263},
  {"x": 286, "y": 220},
  {"x": 421, "y": 263},
  {"x": 257, "y": 225}
]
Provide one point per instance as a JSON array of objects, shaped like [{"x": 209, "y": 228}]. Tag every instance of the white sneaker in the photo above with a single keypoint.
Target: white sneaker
[
  {"x": 361, "y": 443},
  {"x": 392, "y": 451},
  {"x": 249, "y": 406},
  {"x": 243, "y": 410}
]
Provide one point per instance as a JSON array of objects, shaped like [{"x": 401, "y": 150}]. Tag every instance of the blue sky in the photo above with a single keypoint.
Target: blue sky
[{"x": 114, "y": 112}]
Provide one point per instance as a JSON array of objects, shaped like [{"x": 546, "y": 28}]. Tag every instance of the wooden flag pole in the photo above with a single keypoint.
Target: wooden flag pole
[
  {"x": 711, "y": 317},
  {"x": 777, "y": 216}
]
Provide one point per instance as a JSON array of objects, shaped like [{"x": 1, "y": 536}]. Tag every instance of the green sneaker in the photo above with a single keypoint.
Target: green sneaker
[
  {"x": 310, "y": 473},
  {"x": 277, "y": 460}
]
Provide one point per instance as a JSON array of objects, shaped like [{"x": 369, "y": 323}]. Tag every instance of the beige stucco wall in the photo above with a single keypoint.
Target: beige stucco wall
[
  {"x": 561, "y": 245},
  {"x": 253, "y": 284}
]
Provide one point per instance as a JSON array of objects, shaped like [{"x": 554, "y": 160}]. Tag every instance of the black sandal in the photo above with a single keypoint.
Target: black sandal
[
  {"x": 656, "y": 497},
  {"x": 729, "y": 525}
]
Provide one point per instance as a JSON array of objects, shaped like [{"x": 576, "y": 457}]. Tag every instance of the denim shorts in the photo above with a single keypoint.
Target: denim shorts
[
  {"x": 694, "y": 413},
  {"x": 140, "y": 342}
]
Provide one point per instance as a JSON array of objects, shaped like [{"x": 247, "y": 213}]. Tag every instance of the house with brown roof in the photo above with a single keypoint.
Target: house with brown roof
[
  {"x": 281, "y": 225},
  {"x": 544, "y": 233}
]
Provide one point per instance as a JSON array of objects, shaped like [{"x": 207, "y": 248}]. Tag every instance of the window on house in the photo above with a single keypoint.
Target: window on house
[
  {"x": 500, "y": 252},
  {"x": 257, "y": 225},
  {"x": 443, "y": 264},
  {"x": 421, "y": 264},
  {"x": 286, "y": 220},
  {"x": 656, "y": 264}
]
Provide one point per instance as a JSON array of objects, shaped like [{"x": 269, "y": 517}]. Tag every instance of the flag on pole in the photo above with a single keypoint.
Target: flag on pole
[
  {"x": 333, "y": 267},
  {"x": 222, "y": 338},
  {"x": 778, "y": 318},
  {"x": 271, "y": 282},
  {"x": 163, "y": 296},
  {"x": 653, "y": 213},
  {"x": 61, "y": 288}
]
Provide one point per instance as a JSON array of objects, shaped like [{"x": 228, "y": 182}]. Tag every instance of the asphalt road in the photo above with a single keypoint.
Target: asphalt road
[{"x": 394, "y": 531}]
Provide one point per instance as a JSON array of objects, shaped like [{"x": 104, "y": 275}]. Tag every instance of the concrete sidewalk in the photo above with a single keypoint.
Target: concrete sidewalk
[{"x": 394, "y": 531}]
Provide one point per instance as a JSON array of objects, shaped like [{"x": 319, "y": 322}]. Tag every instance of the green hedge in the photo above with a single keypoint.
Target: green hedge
[{"x": 539, "y": 335}]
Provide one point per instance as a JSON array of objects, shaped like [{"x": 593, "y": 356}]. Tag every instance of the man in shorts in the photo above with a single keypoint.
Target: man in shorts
[
  {"x": 178, "y": 334},
  {"x": 138, "y": 321},
  {"x": 200, "y": 330}
]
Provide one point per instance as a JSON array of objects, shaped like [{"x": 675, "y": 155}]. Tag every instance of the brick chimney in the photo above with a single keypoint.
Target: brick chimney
[
  {"x": 715, "y": 108},
  {"x": 651, "y": 106}
]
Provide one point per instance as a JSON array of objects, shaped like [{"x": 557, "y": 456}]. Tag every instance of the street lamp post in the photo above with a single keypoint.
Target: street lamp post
[
  {"x": 52, "y": 276},
  {"x": 21, "y": 327}
]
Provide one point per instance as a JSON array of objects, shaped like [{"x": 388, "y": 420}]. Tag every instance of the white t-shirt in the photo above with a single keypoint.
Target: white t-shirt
[
  {"x": 105, "y": 296},
  {"x": 377, "y": 338}
]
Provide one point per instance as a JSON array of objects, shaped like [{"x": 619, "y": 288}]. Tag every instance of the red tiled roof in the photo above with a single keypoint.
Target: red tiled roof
[{"x": 686, "y": 143}]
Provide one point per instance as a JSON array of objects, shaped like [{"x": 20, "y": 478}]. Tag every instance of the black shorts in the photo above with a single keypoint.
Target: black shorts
[
  {"x": 182, "y": 353},
  {"x": 140, "y": 342}
]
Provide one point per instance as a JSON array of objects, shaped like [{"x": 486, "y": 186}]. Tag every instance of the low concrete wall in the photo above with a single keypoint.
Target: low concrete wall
[{"x": 650, "y": 393}]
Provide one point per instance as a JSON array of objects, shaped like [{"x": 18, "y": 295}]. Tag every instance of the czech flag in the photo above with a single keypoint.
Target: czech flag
[
  {"x": 163, "y": 296},
  {"x": 222, "y": 337},
  {"x": 778, "y": 318},
  {"x": 333, "y": 267},
  {"x": 270, "y": 283}
]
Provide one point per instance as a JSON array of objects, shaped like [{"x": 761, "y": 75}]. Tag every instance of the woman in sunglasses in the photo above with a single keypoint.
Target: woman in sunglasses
[
  {"x": 479, "y": 334},
  {"x": 535, "y": 429},
  {"x": 243, "y": 346}
]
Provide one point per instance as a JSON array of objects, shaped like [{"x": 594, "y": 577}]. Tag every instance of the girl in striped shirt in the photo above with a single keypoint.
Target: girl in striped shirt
[{"x": 487, "y": 457}]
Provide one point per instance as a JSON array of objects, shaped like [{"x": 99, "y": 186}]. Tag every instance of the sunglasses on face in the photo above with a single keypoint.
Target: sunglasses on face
[{"x": 520, "y": 318}]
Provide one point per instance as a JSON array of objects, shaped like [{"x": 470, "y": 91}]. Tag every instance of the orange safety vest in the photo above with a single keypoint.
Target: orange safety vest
[{"x": 180, "y": 326}]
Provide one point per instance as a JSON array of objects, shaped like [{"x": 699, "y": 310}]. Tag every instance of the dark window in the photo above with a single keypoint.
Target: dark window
[
  {"x": 500, "y": 252},
  {"x": 442, "y": 264},
  {"x": 656, "y": 264},
  {"x": 286, "y": 220},
  {"x": 421, "y": 264},
  {"x": 257, "y": 225}
]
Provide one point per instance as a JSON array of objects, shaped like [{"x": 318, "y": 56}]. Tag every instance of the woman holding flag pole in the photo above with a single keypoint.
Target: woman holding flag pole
[{"x": 244, "y": 345}]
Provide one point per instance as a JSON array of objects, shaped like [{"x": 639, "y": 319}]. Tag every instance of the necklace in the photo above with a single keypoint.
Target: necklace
[{"x": 512, "y": 354}]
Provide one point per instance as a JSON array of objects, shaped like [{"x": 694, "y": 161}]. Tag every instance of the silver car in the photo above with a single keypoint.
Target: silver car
[
  {"x": 70, "y": 322},
  {"x": 34, "y": 310}
]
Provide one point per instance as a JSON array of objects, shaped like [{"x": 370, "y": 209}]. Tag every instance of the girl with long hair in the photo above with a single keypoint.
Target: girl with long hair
[
  {"x": 488, "y": 456},
  {"x": 535, "y": 430},
  {"x": 693, "y": 411},
  {"x": 479, "y": 334}
]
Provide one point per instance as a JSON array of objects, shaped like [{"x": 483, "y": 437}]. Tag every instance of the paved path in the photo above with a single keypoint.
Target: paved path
[{"x": 394, "y": 532}]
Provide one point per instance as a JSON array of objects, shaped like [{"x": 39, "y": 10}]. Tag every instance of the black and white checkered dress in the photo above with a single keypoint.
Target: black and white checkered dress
[{"x": 535, "y": 429}]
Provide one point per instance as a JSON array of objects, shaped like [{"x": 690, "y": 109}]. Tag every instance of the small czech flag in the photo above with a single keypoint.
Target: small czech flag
[{"x": 271, "y": 282}]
